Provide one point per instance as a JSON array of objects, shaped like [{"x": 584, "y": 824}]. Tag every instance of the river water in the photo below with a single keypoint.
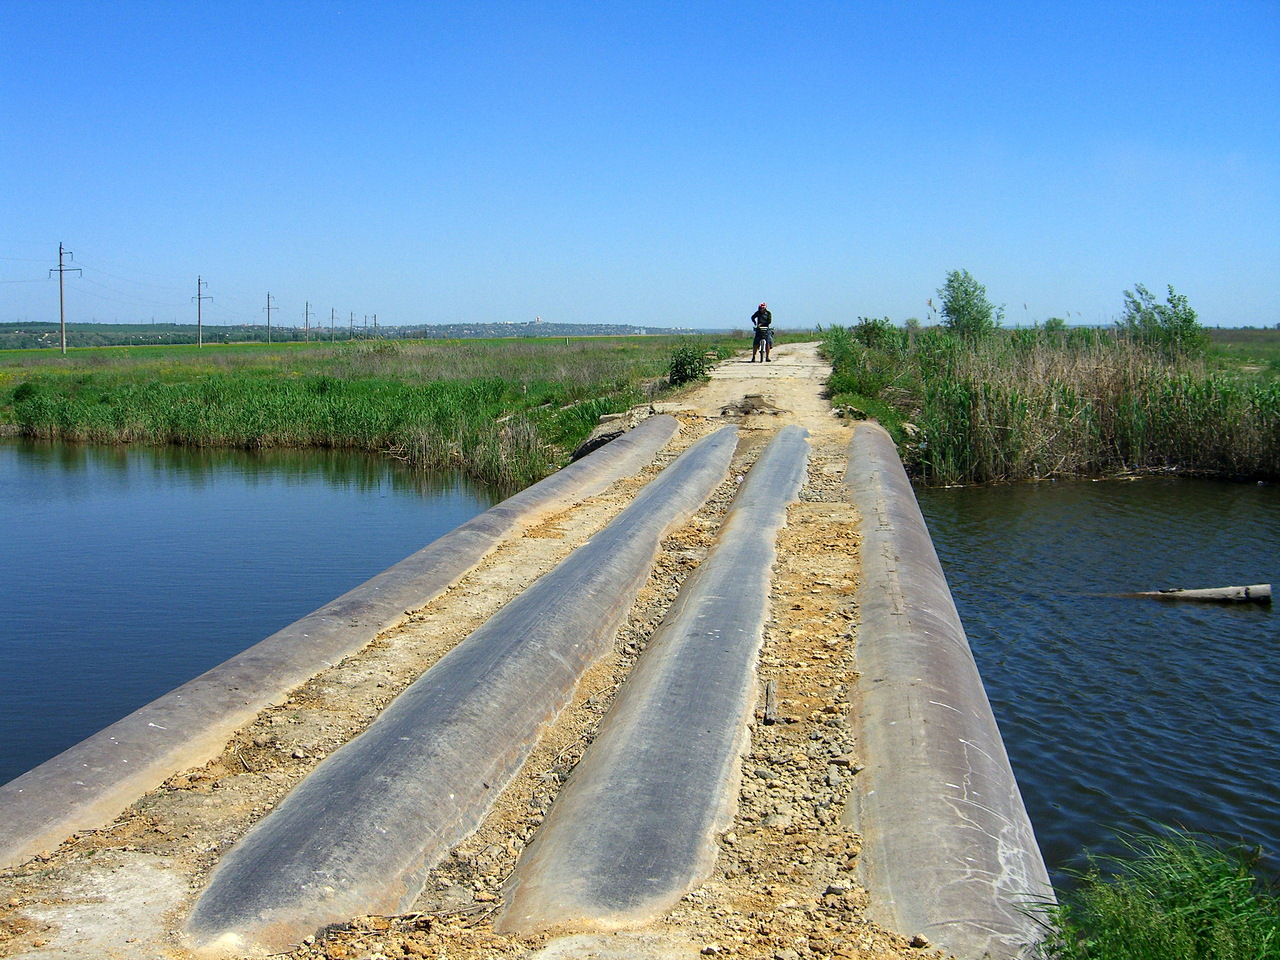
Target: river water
[
  {"x": 1119, "y": 712},
  {"x": 125, "y": 572}
]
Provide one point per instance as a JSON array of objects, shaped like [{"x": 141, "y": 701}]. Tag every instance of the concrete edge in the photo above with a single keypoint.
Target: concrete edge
[
  {"x": 948, "y": 849},
  {"x": 88, "y": 785}
]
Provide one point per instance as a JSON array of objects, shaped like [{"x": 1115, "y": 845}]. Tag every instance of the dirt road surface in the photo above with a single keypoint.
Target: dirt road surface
[{"x": 784, "y": 884}]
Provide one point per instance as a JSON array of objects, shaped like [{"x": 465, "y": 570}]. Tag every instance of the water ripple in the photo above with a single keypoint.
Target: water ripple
[{"x": 1117, "y": 711}]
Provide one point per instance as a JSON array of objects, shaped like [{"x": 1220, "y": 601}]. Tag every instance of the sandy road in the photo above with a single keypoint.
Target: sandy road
[{"x": 783, "y": 885}]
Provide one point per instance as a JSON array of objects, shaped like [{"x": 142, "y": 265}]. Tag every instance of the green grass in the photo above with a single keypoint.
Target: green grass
[
  {"x": 1029, "y": 404},
  {"x": 1173, "y": 896},
  {"x": 504, "y": 411}
]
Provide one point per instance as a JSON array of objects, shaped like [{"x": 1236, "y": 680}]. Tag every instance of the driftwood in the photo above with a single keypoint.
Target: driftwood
[{"x": 1257, "y": 593}]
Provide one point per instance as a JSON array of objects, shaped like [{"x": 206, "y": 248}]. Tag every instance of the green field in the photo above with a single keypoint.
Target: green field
[
  {"x": 1250, "y": 349},
  {"x": 504, "y": 411}
]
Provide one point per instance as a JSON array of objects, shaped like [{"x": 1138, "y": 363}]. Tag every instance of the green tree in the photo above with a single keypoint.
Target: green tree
[
  {"x": 1172, "y": 325},
  {"x": 965, "y": 308}
]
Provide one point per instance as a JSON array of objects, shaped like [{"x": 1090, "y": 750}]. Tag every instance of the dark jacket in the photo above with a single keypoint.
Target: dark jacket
[{"x": 762, "y": 317}]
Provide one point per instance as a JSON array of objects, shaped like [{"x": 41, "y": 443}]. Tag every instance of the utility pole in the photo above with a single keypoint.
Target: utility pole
[
  {"x": 375, "y": 326},
  {"x": 199, "y": 298},
  {"x": 269, "y": 308},
  {"x": 332, "y": 315},
  {"x": 365, "y": 335},
  {"x": 306, "y": 321},
  {"x": 62, "y": 301},
  {"x": 351, "y": 326}
]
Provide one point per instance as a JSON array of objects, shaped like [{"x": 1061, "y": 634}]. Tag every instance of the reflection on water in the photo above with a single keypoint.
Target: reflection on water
[
  {"x": 125, "y": 572},
  {"x": 1119, "y": 711}
]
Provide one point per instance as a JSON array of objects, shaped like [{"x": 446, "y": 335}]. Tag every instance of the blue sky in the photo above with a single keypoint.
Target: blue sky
[{"x": 641, "y": 162}]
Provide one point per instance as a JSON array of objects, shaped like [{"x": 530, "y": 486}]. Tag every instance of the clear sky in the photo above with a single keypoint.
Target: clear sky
[{"x": 641, "y": 162}]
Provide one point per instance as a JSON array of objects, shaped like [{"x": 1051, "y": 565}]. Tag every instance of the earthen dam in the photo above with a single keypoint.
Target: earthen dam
[{"x": 702, "y": 691}]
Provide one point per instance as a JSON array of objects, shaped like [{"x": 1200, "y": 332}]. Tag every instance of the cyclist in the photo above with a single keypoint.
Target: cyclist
[{"x": 762, "y": 320}]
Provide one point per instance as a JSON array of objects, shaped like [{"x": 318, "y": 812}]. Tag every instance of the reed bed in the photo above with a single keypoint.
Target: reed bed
[
  {"x": 1029, "y": 405},
  {"x": 506, "y": 412}
]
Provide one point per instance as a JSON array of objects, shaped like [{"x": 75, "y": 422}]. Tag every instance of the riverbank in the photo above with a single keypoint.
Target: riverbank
[
  {"x": 502, "y": 411},
  {"x": 1035, "y": 404}
]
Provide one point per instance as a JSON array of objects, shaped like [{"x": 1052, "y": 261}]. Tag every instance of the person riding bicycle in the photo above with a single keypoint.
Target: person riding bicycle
[{"x": 762, "y": 320}]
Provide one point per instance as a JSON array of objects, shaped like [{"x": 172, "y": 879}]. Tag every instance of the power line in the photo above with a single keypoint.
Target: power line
[
  {"x": 130, "y": 297},
  {"x": 144, "y": 283}
]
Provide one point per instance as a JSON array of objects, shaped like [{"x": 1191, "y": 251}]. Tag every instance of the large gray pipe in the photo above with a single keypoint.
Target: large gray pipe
[
  {"x": 86, "y": 786},
  {"x": 359, "y": 835},
  {"x": 948, "y": 850},
  {"x": 634, "y": 828}
]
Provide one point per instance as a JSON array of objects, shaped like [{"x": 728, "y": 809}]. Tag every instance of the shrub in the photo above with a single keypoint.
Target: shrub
[
  {"x": 880, "y": 334},
  {"x": 966, "y": 311},
  {"x": 1171, "y": 326},
  {"x": 687, "y": 364}
]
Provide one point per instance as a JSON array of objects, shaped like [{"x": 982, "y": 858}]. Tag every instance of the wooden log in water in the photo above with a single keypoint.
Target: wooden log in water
[{"x": 1256, "y": 593}]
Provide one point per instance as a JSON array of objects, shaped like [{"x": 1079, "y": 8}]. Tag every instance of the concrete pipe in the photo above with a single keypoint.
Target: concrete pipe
[
  {"x": 634, "y": 829},
  {"x": 359, "y": 835},
  {"x": 948, "y": 851}
]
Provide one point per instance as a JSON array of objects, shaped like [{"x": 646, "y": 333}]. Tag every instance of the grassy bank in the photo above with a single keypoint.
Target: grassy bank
[
  {"x": 1173, "y": 897},
  {"x": 1027, "y": 404},
  {"x": 504, "y": 411}
]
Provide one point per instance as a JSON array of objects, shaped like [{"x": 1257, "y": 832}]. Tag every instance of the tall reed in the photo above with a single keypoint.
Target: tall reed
[{"x": 1032, "y": 404}]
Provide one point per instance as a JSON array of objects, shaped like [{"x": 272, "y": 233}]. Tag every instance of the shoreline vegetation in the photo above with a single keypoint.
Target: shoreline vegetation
[
  {"x": 1170, "y": 896},
  {"x": 1056, "y": 402},
  {"x": 506, "y": 412}
]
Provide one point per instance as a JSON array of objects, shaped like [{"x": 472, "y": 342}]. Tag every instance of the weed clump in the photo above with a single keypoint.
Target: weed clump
[
  {"x": 687, "y": 364},
  {"x": 1172, "y": 897}
]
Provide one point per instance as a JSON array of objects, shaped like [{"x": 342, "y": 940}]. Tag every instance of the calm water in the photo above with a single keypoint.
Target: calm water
[
  {"x": 125, "y": 572},
  {"x": 1119, "y": 711}
]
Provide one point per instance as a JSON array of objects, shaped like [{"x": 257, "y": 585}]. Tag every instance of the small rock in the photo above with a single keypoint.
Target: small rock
[{"x": 919, "y": 942}]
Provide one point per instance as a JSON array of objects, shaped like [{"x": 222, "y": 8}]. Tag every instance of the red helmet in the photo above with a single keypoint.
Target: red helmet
[{"x": 763, "y": 304}]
